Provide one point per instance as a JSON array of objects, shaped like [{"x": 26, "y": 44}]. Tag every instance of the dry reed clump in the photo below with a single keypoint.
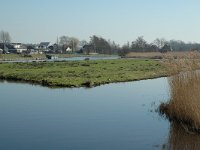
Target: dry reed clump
[
  {"x": 148, "y": 55},
  {"x": 184, "y": 81}
]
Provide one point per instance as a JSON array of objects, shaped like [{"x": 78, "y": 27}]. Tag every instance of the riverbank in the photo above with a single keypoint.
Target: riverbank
[
  {"x": 21, "y": 57},
  {"x": 82, "y": 73}
]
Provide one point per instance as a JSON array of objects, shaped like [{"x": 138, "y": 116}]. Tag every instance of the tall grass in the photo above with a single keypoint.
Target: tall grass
[
  {"x": 184, "y": 81},
  {"x": 158, "y": 55}
]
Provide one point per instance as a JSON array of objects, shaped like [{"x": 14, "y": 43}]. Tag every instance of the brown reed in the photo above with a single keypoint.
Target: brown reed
[{"x": 184, "y": 82}]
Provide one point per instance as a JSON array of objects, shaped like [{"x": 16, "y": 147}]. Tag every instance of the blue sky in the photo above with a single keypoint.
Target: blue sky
[{"x": 32, "y": 21}]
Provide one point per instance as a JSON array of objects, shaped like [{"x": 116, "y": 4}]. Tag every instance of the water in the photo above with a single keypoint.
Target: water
[
  {"x": 109, "y": 117},
  {"x": 67, "y": 59},
  {"x": 90, "y": 58}
]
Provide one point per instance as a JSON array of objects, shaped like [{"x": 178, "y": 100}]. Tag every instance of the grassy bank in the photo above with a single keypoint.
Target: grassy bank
[
  {"x": 10, "y": 57},
  {"x": 82, "y": 73}
]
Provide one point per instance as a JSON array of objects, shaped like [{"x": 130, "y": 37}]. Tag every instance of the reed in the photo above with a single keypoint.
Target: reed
[{"x": 184, "y": 82}]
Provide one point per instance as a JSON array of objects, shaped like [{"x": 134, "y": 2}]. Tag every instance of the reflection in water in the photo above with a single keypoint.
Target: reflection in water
[{"x": 179, "y": 139}]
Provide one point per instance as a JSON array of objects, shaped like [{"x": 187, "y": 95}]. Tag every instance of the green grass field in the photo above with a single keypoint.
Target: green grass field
[
  {"x": 82, "y": 73},
  {"x": 9, "y": 57}
]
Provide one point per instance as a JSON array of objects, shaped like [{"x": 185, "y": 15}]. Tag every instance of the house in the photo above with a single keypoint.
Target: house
[
  {"x": 2, "y": 47},
  {"x": 13, "y": 48},
  {"x": 55, "y": 48},
  {"x": 68, "y": 50},
  {"x": 44, "y": 45},
  {"x": 19, "y": 48},
  {"x": 6, "y": 47},
  {"x": 31, "y": 49}
]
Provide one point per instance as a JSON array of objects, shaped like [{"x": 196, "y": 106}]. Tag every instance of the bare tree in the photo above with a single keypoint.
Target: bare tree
[
  {"x": 69, "y": 42},
  {"x": 100, "y": 45},
  {"x": 4, "y": 37},
  {"x": 139, "y": 44},
  {"x": 64, "y": 40},
  {"x": 74, "y": 42},
  {"x": 160, "y": 42},
  {"x": 83, "y": 42}
]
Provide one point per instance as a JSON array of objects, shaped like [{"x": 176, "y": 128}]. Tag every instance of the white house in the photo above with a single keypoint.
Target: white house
[
  {"x": 19, "y": 47},
  {"x": 68, "y": 49}
]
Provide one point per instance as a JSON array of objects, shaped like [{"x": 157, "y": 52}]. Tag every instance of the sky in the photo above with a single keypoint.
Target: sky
[{"x": 33, "y": 21}]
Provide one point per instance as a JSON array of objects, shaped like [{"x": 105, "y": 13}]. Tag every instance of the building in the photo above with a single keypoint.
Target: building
[
  {"x": 13, "y": 48},
  {"x": 68, "y": 50},
  {"x": 19, "y": 48},
  {"x": 44, "y": 45},
  {"x": 6, "y": 47}
]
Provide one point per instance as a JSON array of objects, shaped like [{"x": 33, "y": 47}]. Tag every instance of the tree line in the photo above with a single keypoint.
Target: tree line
[{"x": 98, "y": 44}]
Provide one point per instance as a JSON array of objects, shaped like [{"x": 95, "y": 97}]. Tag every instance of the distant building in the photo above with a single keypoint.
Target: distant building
[
  {"x": 13, "y": 48},
  {"x": 44, "y": 45},
  {"x": 54, "y": 49},
  {"x": 7, "y": 47},
  {"x": 19, "y": 48},
  {"x": 31, "y": 49},
  {"x": 68, "y": 49},
  {"x": 3, "y": 47}
]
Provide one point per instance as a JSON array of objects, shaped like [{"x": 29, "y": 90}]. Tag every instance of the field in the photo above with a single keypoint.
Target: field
[
  {"x": 82, "y": 73},
  {"x": 10, "y": 57}
]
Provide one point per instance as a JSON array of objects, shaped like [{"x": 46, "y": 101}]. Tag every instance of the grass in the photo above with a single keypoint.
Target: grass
[
  {"x": 81, "y": 73},
  {"x": 184, "y": 105},
  {"x": 8, "y": 57}
]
